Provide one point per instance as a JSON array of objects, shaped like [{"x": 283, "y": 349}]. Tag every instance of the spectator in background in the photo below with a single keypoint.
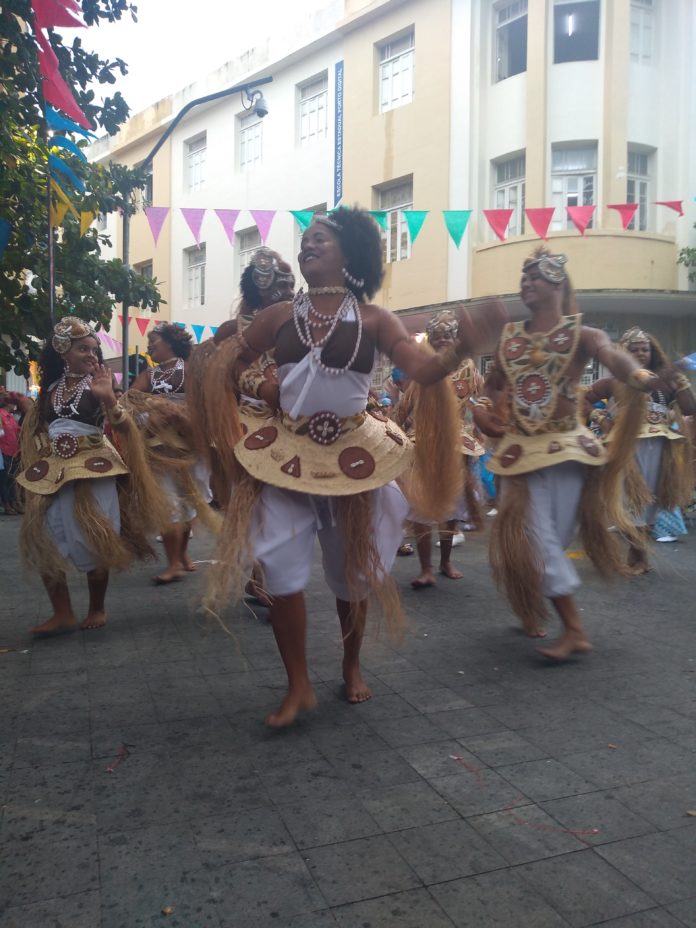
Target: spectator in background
[{"x": 9, "y": 448}]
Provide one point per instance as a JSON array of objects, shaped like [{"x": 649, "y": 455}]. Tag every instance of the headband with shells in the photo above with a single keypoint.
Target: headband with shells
[
  {"x": 632, "y": 335},
  {"x": 551, "y": 267},
  {"x": 266, "y": 269},
  {"x": 69, "y": 330},
  {"x": 445, "y": 321}
]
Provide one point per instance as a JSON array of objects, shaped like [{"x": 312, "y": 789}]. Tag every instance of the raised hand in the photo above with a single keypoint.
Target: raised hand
[
  {"x": 102, "y": 385},
  {"x": 481, "y": 327}
]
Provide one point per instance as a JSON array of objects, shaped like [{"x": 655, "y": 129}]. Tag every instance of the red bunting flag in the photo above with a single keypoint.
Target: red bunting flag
[
  {"x": 580, "y": 216},
  {"x": 626, "y": 210},
  {"x": 540, "y": 219},
  {"x": 676, "y": 205},
  {"x": 48, "y": 13},
  {"x": 55, "y": 90},
  {"x": 499, "y": 220},
  {"x": 142, "y": 324},
  {"x": 120, "y": 319}
]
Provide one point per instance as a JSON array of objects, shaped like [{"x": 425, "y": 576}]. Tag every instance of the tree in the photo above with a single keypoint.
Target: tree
[
  {"x": 87, "y": 285},
  {"x": 687, "y": 257}
]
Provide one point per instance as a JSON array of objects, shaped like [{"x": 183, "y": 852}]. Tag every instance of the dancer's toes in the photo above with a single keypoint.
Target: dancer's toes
[
  {"x": 56, "y": 625},
  {"x": 170, "y": 575},
  {"x": 94, "y": 620},
  {"x": 425, "y": 579},
  {"x": 356, "y": 688},
  {"x": 565, "y": 647},
  {"x": 536, "y": 631},
  {"x": 449, "y": 571},
  {"x": 295, "y": 702}
]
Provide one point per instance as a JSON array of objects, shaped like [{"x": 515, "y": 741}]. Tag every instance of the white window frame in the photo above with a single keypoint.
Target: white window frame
[
  {"x": 510, "y": 189},
  {"x": 392, "y": 199},
  {"x": 642, "y": 40},
  {"x": 143, "y": 267},
  {"x": 397, "y": 71},
  {"x": 572, "y": 183},
  {"x": 250, "y": 141},
  {"x": 196, "y": 153},
  {"x": 248, "y": 240},
  {"x": 313, "y": 105},
  {"x": 638, "y": 178},
  {"x": 194, "y": 275},
  {"x": 504, "y": 15}
]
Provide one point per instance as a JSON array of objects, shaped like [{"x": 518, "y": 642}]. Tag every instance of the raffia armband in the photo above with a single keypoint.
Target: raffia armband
[
  {"x": 250, "y": 380},
  {"x": 116, "y": 414},
  {"x": 642, "y": 380}
]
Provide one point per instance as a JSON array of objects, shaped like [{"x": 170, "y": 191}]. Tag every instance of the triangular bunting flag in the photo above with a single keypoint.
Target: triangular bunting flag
[
  {"x": 380, "y": 217},
  {"x": 676, "y": 205},
  {"x": 499, "y": 220},
  {"x": 120, "y": 319},
  {"x": 214, "y": 328},
  {"x": 119, "y": 376},
  {"x": 182, "y": 325},
  {"x": 194, "y": 219},
  {"x": 263, "y": 219},
  {"x": 56, "y": 120},
  {"x": 580, "y": 216},
  {"x": 626, "y": 210},
  {"x": 57, "y": 164},
  {"x": 57, "y": 213},
  {"x": 228, "y": 218},
  {"x": 86, "y": 220},
  {"x": 414, "y": 220},
  {"x": 303, "y": 217},
  {"x": 5, "y": 229},
  {"x": 156, "y": 216},
  {"x": 540, "y": 219},
  {"x": 63, "y": 197},
  {"x": 59, "y": 141},
  {"x": 57, "y": 92},
  {"x": 48, "y": 13},
  {"x": 456, "y": 221},
  {"x": 142, "y": 322},
  {"x": 198, "y": 332}
]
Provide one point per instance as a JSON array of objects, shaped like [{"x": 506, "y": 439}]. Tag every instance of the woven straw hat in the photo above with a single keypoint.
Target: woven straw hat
[
  {"x": 325, "y": 455},
  {"x": 67, "y": 458}
]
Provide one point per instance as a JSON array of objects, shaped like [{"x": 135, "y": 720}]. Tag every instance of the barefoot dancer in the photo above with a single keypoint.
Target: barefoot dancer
[
  {"x": 168, "y": 433},
  {"x": 665, "y": 476},
  {"x": 466, "y": 383},
  {"x": 324, "y": 468},
  {"x": 548, "y": 462},
  {"x": 81, "y": 506}
]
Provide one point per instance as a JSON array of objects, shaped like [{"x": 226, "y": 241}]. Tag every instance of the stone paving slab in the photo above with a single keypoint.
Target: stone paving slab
[{"x": 480, "y": 786}]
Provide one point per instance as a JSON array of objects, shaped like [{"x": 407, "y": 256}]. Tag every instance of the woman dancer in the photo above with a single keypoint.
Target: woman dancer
[
  {"x": 82, "y": 507},
  {"x": 662, "y": 477},
  {"x": 324, "y": 467}
]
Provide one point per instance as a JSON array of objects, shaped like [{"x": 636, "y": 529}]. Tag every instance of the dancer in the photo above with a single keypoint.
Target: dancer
[
  {"x": 324, "y": 467},
  {"x": 466, "y": 382},
  {"x": 82, "y": 507},
  {"x": 549, "y": 464},
  {"x": 662, "y": 477},
  {"x": 158, "y": 397}
]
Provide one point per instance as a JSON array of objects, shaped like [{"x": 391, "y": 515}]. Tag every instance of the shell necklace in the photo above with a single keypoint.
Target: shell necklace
[
  {"x": 161, "y": 378},
  {"x": 66, "y": 407},
  {"x": 302, "y": 308}
]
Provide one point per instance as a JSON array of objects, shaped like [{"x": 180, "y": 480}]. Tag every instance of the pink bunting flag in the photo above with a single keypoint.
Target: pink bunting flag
[
  {"x": 156, "y": 216},
  {"x": 119, "y": 376},
  {"x": 580, "y": 216},
  {"x": 263, "y": 219},
  {"x": 540, "y": 219},
  {"x": 228, "y": 218},
  {"x": 194, "y": 220},
  {"x": 48, "y": 13},
  {"x": 120, "y": 319},
  {"x": 626, "y": 210},
  {"x": 499, "y": 220},
  {"x": 142, "y": 324},
  {"x": 676, "y": 205}
]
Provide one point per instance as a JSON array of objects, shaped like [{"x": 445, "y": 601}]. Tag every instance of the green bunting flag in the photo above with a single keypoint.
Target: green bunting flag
[
  {"x": 456, "y": 221},
  {"x": 303, "y": 217},
  {"x": 414, "y": 220},
  {"x": 380, "y": 217}
]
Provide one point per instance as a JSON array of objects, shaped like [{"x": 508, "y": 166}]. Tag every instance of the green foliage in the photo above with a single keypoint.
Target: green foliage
[
  {"x": 86, "y": 284},
  {"x": 687, "y": 257}
]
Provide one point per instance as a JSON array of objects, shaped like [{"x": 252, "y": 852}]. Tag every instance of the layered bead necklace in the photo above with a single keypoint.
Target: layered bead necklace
[
  {"x": 66, "y": 407},
  {"x": 306, "y": 318},
  {"x": 161, "y": 378}
]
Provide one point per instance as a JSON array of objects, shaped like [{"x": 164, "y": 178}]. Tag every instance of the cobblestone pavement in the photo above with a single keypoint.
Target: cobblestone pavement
[{"x": 479, "y": 787}]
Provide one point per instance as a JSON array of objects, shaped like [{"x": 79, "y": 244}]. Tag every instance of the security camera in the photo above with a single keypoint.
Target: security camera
[{"x": 260, "y": 106}]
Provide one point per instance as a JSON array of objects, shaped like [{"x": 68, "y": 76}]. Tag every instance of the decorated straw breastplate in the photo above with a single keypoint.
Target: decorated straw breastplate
[{"x": 536, "y": 365}]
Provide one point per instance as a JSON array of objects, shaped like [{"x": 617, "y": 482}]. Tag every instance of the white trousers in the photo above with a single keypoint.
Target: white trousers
[
  {"x": 649, "y": 461},
  {"x": 62, "y": 524},
  {"x": 286, "y": 523}
]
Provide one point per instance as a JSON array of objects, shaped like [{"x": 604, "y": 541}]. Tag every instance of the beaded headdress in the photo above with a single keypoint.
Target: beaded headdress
[
  {"x": 634, "y": 334},
  {"x": 69, "y": 330},
  {"x": 268, "y": 269},
  {"x": 445, "y": 321},
  {"x": 551, "y": 267},
  {"x": 328, "y": 221}
]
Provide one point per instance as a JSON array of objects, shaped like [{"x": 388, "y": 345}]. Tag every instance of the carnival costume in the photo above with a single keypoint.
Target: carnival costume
[{"x": 87, "y": 505}]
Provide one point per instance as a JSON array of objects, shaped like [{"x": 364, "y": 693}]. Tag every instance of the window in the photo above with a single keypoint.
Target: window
[
  {"x": 248, "y": 240},
  {"x": 249, "y": 141},
  {"x": 393, "y": 198},
  {"x": 509, "y": 190},
  {"x": 642, "y": 31},
  {"x": 195, "y": 163},
  {"x": 313, "y": 98},
  {"x": 194, "y": 265},
  {"x": 144, "y": 269},
  {"x": 510, "y": 39},
  {"x": 575, "y": 30},
  {"x": 573, "y": 181},
  {"x": 396, "y": 62},
  {"x": 637, "y": 187},
  {"x": 143, "y": 196},
  {"x": 101, "y": 222}
]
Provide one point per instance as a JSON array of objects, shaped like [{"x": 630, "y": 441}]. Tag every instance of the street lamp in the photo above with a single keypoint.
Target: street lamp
[{"x": 256, "y": 102}]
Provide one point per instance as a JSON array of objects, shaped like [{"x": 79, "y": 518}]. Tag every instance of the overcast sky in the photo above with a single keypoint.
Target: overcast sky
[{"x": 175, "y": 42}]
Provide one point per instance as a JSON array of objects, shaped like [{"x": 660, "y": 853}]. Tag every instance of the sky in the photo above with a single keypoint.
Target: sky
[{"x": 175, "y": 42}]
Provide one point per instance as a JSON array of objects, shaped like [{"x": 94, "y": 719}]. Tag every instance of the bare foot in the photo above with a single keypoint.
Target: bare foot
[
  {"x": 570, "y": 643},
  {"x": 536, "y": 632},
  {"x": 170, "y": 575},
  {"x": 189, "y": 565},
  {"x": 449, "y": 571},
  {"x": 637, "y": 561},
  {"x": 56, "y": 625},
  {"x": 295, "y": 702},
  {"x": 356, "y": 688},
  {"x": 424, "y": 580},
  {"x": 94, "y": 620}
]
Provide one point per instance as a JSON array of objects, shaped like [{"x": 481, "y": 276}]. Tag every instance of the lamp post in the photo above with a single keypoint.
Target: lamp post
[{"x": 256, "y": 102}]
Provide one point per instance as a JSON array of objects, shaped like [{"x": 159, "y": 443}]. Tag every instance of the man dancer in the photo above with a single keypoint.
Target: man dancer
[{"x": 550, "y": 465}]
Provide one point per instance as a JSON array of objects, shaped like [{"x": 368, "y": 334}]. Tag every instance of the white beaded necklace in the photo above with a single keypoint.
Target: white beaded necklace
[
  {"x": 161, "y": 378},
  {"x": 302, "y": 307},
  {"x": 67, "y": 408}
]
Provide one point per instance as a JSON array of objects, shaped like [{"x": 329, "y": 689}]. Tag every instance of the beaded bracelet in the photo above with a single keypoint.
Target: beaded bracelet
[{"x": 116, "y": 414}]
